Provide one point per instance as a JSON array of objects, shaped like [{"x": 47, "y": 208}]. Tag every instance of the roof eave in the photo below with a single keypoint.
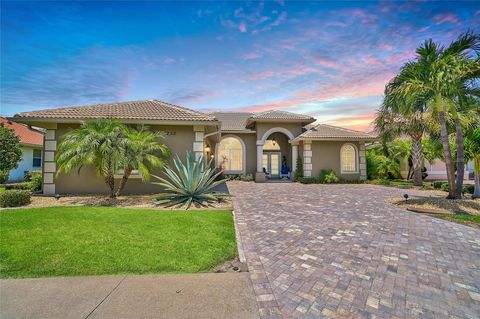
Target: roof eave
[
  {"x": 37, "y": 121},
  {"x": 360, "y": 139},
  {"x": 302, "y": 121}
]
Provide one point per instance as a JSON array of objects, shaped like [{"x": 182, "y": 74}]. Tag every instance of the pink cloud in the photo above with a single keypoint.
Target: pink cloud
[
  {"x": 446, "y": 18},
  {"x": 242, "y": 27},
  {"x": 357, "y": 122},
  {"x": 251, "y": 56},
  {"x": 331, "y": 64},
  {"x": 400, "y": 57},
  {"x": 373, "y": 61},
  {"x": 262, "y": 75},
  {"x": 386, "y": 46}
]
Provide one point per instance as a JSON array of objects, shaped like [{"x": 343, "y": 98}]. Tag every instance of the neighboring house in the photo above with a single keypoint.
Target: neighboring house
[
  {"x": 31, "y": 144},
  {"x": 436, "y": 170},
  {"x": 240, "y": 143}
]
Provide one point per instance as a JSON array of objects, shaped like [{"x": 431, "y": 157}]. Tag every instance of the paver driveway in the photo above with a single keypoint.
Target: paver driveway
[{"x": 338, "y": 251}]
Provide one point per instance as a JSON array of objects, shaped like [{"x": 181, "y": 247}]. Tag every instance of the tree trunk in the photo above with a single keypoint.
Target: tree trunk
[
  {"x": 476, "y": 172},
  {"x": 123, "y": 182},
  {"x": 460, "y": 158},
  {"x": 417, "y": 157},
  {"x": 448, "y": 155},
  {"x": 110, "y": 181}
]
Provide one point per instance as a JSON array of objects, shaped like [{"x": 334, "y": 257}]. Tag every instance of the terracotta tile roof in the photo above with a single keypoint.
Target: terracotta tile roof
[
  {"x": 281, "y": 115},
  {"x": 329, "y": 132},
  {"x": 26, "y": 134},
  {"x": 134, "y": 110},
  {"x": 233, "y": 121}
]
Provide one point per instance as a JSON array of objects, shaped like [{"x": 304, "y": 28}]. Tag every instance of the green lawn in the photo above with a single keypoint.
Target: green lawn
[
  {"x": 2, "y": 189},
  {"x": 71, "y": 241}
]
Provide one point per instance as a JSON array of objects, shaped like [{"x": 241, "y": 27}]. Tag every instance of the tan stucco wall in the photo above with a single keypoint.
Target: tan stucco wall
[
  {"x": 326, "y": 155},
  {"x": 87, "y": 182}
]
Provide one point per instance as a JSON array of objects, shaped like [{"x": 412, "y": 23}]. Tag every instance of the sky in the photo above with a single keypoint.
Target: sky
[{"x": 330, "y": 60}]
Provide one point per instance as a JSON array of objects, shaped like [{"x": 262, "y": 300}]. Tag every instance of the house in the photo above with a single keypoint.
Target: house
[
  {"x": 239, "y": 142},
  {"x": 31, "y": 144},
  {"x": 436, "y": 170}
]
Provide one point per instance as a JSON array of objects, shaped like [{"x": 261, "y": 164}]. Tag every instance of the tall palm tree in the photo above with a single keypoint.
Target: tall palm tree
[
  {"x": 98, "y": 143},
  {"x": 143, "y": 152},
  {"x": 438, "y": 77},
  {"x": 472, "y": 144}
]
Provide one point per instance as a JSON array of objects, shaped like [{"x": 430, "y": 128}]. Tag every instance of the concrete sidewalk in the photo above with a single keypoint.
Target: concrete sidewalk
[{"x": 209, "y": 295}]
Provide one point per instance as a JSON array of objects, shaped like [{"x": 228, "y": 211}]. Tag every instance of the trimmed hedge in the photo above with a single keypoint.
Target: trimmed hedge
[
  {"x": 14, "y": 198},
  {"x": 21, "y": 185},
  {"x": 437, "y": 185},
  {"x": 468, "y": 189}
]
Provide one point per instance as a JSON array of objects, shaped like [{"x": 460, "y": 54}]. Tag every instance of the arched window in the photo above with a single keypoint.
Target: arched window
[
  {"x": 231, "y": 155},
  {"x": 348, "y": 159}
]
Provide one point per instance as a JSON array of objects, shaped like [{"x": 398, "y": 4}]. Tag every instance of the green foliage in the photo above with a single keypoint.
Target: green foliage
[
  {"x": 4, "y": 176},
  {"x": 379, "y": 182},
  {"x": 308, "y": 180},
  {"x": 445, "y": 187},
  {"x": 298, "y": 169},
  {"x": 468, "y": 189},
  {"x": 189, "y": 183},
  {"x": 239, "y": 177},
  {"x": 437, "y": 184},
  {"x": 110, "y": 146},
  {"x": 86, "y": 241},
  {"x": 381, "y": 167},
  {"x": 21, "y": 185},
  {"x": 36, "y": 182},
  {"x": 10, "y": 152},
  {"x": 328, "y": 176},
  {"x": 14, "y": 198}
]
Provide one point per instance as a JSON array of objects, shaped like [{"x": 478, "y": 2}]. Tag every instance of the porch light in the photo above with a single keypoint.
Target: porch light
[
  {"x": 212, "y": 156},
  {"x": 207, "y": 148},
  {"x": 273, "y": 141}
]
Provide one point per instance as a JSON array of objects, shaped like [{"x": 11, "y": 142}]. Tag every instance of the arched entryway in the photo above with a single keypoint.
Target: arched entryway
[{"x": 276, "y": 156}]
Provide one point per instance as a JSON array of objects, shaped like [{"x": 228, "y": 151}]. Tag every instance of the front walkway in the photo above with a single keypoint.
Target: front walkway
[
  {"x": 338, "y": 251},
  {"x": 192, "y": 296}
]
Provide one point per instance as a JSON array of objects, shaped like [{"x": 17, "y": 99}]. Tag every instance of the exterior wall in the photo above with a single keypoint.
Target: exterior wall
[
  {"x": 26, "y": 164},
  {"x": 326, "y": 155},
  {"x": 435, "y": 170},
  {"x": 179, "y": 140}
]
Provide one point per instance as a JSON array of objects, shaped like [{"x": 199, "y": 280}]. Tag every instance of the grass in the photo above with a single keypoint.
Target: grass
[
  {"x": 475, "y": 219},
  {"x": 2, "y": 189},
  {"x": 72, "y": 241}
]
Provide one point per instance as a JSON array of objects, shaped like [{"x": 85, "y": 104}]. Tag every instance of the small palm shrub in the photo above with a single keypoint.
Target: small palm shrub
[
  {"x": 189, "y": 183},
  {"x": 331, "y": 178},
  {"x": 298, "y": 169}
]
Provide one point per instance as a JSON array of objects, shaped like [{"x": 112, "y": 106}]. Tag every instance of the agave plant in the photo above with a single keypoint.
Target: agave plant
[{"x": 189, "y": 183}]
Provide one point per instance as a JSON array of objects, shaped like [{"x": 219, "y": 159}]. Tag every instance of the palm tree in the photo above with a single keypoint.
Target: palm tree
[
  {"x": 391, "y": 122},
  {"x": 438, "y": 78},
  {"x": 142, "y": 153},
  {"x": 98, "y": 143},
  {"x": 472, "y": 147}
]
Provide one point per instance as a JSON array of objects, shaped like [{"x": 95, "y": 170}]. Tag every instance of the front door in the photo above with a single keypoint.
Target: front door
[{"x": 272, "y": 162}]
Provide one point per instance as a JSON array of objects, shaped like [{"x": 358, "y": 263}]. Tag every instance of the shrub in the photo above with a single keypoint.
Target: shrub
[
  {"x": 444, "y": 187},
  {"x": 36, "y": 182},
  {"x": 331, "y": 178},
  {"x": 379, "y": 182},
  {"x": 4, "y": 176},
  {"x": 468, "y": 189},
  {"x": 22, "y": 186},
  {"x": 246, "y": 177},
  {"x": 307, "y": 180},
  {"x": 298, "y": 169},
  {"x": 437, "y": 185},
  {"x": 14, "y": 198},
  {"x": 189, "y": 183}
]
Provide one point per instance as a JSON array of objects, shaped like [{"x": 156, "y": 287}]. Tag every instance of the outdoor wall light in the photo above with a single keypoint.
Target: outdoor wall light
[
  {"x": 207, "y": 148},
  {"x": 212, "y": 156},
  {"x": 273, "y": 141}
]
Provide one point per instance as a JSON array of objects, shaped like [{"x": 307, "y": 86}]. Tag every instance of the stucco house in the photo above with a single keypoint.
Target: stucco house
[
  {"x": 240, "y": 142},
  {"x": 31, "y": 144}
]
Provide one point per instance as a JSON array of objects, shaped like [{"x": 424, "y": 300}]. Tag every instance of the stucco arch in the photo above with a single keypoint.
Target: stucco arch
[{"x": 275, "y": 130}]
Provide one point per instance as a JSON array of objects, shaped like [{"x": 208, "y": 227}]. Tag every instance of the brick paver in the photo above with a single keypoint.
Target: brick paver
[{"x": 338, "y": 251}]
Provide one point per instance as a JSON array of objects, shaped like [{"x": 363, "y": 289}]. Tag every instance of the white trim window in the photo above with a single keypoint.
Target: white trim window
[
  {"x": 231, "y": 155},
  {"x": 348, "y": 159}
]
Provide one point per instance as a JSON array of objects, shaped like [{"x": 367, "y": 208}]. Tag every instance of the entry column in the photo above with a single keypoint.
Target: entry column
[{"x": 260, "y": 175}]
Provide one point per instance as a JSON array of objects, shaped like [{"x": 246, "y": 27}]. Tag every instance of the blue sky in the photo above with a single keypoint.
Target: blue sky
[{"x": 327, "y": 59}]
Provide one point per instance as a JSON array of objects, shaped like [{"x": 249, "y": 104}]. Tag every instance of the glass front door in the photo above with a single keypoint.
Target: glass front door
[{"x": 271, "y": 162}]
